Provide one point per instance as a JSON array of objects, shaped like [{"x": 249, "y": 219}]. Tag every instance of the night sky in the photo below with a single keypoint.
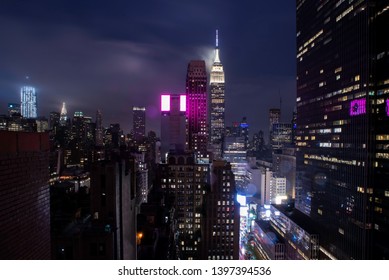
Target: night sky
[{"x": 112, "y": 55}]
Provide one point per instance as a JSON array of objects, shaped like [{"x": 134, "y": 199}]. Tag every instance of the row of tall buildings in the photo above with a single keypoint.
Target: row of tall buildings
[{"x": 318, "y": 191}]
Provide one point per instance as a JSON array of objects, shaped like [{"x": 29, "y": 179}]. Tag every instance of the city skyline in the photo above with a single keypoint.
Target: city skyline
[
  {"x": 86, "y": 54},
  {"x": 198, "y": 186}
]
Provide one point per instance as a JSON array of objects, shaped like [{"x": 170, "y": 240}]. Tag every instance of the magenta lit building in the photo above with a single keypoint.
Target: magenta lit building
[
  {"x": 173, "y": 113},
  {"x": 196, "y": 91}
]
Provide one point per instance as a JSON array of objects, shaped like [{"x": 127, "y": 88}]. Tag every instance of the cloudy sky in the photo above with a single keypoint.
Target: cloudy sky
[{"x": 112, "y": 55}]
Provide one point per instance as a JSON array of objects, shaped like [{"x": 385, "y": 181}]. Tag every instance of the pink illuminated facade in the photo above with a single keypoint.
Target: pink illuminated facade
[
  {"x": 196, "y": 91},
  {"x": 182, "y": 103},
  {"x": 358, "y": 107},
  {"x": 165, "y": 102},
  {"x": 173, "y": 113}
]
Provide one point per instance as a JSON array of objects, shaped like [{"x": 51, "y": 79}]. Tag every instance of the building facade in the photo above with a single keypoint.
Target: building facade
[
  {"x": 173, "y": 115},
  {"x": 139, "y": 123},
  {"x": 217, "y": 110},
  {"x": 274, "y": 117},
  {"x": 342, "y": 136},
  {"x": 197, "y": 113},
  {"x": 184, "y": 182},
  {"x": 25, "y": 196},
  {"x": 28, "y": 107},
  {"x": 222, "y": 226}
]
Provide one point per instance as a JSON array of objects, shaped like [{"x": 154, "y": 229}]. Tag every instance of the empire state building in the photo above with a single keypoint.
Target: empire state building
[{"x": 217, "y": 102}]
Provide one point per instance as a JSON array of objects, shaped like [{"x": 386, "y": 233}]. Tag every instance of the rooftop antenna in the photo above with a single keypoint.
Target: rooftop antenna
[
  {"x": 217, "y": 38},
  {"x": 279, "y": 94},
  {"x": 217, "y": 59}
]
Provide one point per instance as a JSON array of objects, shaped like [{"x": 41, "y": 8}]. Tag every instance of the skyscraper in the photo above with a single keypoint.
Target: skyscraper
[
  {"x": 196, "y": 92},
  {"x": 221, "y": 240},
  {"x": 235, "y": 153},
  {"x": 139, "y": 123},
  {"x": 342, "y": 133},
  {"x": 184, "y": 182},
  {"x": 173, "y": 114},
  {"x": 99, "y": 133},
  {"x": 217, "y": 102},
  {"x": 28, "y": 106},
  {"x": 113, "y": 193},
  {"x": 274, "y": 117},
  {"x": 64, "y": 115}
]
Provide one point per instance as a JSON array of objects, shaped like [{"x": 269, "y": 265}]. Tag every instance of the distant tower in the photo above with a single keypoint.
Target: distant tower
[
  {"x": 196, "y": 90},
  {"x": 63, "y": 117},
  {"x": 28, "y": 102},
  {"x": 274, "y": 117},
  {"x": 244, "y": 131},
  {"x": 99, "y": 129},
  {"x": 173, "y": 110},
  {"x": 139, "y": 123},
  {"x": 217, "y": 102}
]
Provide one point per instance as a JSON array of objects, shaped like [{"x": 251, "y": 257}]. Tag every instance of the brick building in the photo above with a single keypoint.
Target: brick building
[{"x": 24, "y": 195}]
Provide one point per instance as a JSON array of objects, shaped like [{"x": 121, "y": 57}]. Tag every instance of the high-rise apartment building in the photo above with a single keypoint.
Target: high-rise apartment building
[
  {"x": 217, "y": 83},
  {"x": 342, "y": 133},
  {"x": 222, "y": 225},
  {"x": 196, "y": 94},
  {"x": 139, "y": 123},
  {"x": 173, "y": 114},
  {"x": 28, "y": 107},
  {"x": 184, "y": 181}
]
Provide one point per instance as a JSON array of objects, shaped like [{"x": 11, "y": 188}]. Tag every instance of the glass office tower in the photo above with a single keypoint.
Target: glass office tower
[{"x": 342, "y": 124}]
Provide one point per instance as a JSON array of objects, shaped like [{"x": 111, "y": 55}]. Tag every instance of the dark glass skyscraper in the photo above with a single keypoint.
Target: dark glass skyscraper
[
  {"x": 196, "y": 91},
  {"x": 274, "y": 117},
  {"x": 217, "y": 102},
  {"x": 139, "y": 123},
  {"x": 342, "y": 133}
]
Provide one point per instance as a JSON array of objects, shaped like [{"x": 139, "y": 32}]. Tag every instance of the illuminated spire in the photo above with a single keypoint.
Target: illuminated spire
[
  {"x": 63, "y": 110},
  {"x": 63, "y": 117},
  {"x": 217, "y": 59}
]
